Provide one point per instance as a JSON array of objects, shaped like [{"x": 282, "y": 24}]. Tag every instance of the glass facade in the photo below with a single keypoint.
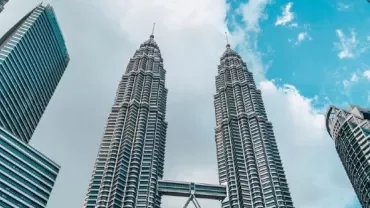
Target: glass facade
[
  {"x": 131, "y": 156},
  {"x": 249, "y": 163},
  {"x": 33, "y": 58},
  {"x": 350, "y": 130},
  {"x": 2, "y": 3},
  {"x": 26, "y": 176}
]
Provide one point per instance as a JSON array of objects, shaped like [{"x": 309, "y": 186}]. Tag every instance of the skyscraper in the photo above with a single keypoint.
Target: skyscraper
[
  {"x": 2, "y": 4},
  {"x": 248, "y": 158},
  {"x": 350, "y": 130},
  {"x": 131, "y": 155},
  {"x": 33, "y": 58}
]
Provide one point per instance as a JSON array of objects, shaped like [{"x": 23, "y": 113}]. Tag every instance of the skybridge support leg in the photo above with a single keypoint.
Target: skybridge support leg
[
  {"x": 195, "y": 202},
  {"x": 192, "y": 199},
  {"x": 188, "y": 201}
]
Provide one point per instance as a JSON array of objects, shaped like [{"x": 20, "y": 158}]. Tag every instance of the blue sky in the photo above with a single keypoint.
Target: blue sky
[
  {"x": 313, "y": 65},
  {"x": 304, "y": 55}
]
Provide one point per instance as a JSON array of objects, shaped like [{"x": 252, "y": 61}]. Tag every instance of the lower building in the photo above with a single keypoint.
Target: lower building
[
  {"x": 350, "y": 130},
  {"x": 27, "y": 177}
]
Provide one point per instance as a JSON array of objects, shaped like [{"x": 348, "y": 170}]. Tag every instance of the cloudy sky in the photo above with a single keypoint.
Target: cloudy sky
[{"x": 305, "y": 55}]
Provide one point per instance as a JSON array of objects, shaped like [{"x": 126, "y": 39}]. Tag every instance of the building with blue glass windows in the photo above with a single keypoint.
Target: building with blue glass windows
[
  {"x": 26, "y": 176},
  {"x": 2, "y": 3},
  {"x": 33, "y": 58}
]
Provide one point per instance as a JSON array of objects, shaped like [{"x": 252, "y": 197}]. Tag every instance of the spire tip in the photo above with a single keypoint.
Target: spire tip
[
  {"x": 227, "y": 41},
  {"x": 152, "y": 35}
]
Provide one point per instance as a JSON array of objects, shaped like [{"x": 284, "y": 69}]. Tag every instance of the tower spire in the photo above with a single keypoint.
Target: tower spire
[
  {"x": 152, "y": 35},
  {"x": 227, "y": 40}
]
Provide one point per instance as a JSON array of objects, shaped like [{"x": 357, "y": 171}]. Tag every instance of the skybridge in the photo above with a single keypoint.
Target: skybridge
[{"x": 192, "y": 191}]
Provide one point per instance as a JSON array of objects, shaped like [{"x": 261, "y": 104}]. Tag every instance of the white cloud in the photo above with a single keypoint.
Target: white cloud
[
  {"x": 342, "y": 6},
  {"x": 349, "y": 47},
  {"x": 346, "y": 45},
  {"x": 191, "y": 39},
  {"x": 301, "y": 37},
  {"x": 293, "y": 25},
  {"x": 255, "y": 10},
  {"x": 354, "y": 77},
  {"x": 287, "y": 16},
  {"x": 367, "y": 74},
  {"x": 347, "y": 83},
  {"x": 314, "y": 172}
]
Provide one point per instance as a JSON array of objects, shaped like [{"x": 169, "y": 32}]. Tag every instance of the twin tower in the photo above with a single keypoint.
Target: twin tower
[{"x": 128, "y": 171}]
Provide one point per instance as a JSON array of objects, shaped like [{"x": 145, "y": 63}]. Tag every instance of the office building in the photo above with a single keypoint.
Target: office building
[
  {"x": 350, "y": 131},
  {"x": 248, "y": 158},
  {"x": 33, "y": 58},
  {"x": 26, "y": 176},
  {"x": 2, "y": 4}
]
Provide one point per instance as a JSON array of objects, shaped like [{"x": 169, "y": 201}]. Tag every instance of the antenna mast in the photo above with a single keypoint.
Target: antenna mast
[
  {"x": 152, "y": 35},
  {"x": 227, "y": 40}
]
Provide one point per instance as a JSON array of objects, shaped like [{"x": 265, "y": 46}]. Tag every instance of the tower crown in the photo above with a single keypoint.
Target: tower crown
[
  {"x": 150, "y": 42},
  {"x": 229, "y": 53}
]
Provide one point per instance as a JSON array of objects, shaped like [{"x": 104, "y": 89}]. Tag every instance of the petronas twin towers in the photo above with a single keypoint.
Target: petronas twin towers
[{"x": 128, "y": 172}]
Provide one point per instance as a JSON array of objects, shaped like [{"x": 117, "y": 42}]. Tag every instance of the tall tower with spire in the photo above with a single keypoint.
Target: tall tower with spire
[
  {"x": 249, "y": 163},
  {"x": 131, "y": 155}
]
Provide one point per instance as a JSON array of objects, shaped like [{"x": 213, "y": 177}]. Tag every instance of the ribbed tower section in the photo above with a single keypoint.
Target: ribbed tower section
[
  {"x": 131, "y": 156},
  {"x": 248, "y": 158}
]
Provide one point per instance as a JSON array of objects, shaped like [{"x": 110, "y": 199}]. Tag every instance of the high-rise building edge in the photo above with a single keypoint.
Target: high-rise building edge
[
  {"x": 249, "y": 163},
  {"x": 350, "y": 131},
  {"x": 33, "y": 57},
  {"x": 2, "y": 4}
]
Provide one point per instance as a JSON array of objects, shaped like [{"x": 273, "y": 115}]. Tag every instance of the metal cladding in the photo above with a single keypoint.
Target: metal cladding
[
  {"x": 131, "y": 156},
  {"x": 248, "y": 158},
  {"x": 350, "y": 130},
  {"x": 33, "y": 58}
]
